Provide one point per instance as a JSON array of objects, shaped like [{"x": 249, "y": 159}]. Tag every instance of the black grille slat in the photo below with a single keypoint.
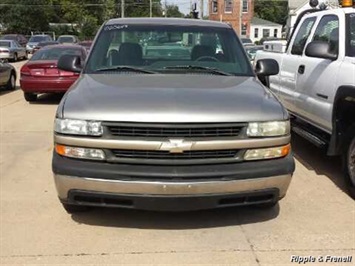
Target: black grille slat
[
  {"x": 188, "y": 132},
  {"x": 165, "y": 155}
]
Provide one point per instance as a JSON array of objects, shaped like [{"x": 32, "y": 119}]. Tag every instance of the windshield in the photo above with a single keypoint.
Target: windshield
[
  {"x": 245, "y": 40},
  {"x": 5, "y": 44},
  {"x": 42, "y": 44},
  {"x": 66, "y": 39},
  {"x": 350, "y": 35},
  {"x": 37, "y": 39},
  {"x": 158, "y": 48},
  {"x": 54, "y": 53}
]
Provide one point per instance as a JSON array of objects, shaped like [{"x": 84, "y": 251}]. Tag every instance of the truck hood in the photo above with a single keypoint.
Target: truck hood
[{"x": 162, "y": 98}]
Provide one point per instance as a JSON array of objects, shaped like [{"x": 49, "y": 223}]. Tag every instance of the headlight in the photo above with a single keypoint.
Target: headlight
[
  {"x": 267, "y": 153},
  {"x": 268, "y": 129},
  {"x": 80, "y": 153},
  {"x": 78, "y": 127}
]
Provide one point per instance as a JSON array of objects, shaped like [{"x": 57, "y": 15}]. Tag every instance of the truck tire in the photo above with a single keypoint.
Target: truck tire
[
  {"x": 30, "y": 97},
  {"x": 349, "y": 164},
  {"x": 69, "y": 208}
]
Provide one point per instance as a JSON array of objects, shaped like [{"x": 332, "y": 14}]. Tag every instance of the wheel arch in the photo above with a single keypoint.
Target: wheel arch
[{"x": 342, "y": 120}]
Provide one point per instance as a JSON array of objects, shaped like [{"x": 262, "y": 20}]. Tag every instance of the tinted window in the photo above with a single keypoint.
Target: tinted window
[
  {"x": 155, "y": 47},
  {"x": 328, "y": 31},
  {"x": 9, "y": 37},
  {"x": 38, "y": 38},
  {"x": 350, "y": 35},
  {"x": 5, "y": 44},
  {"x": 302, "y": 36},
  {"x": 42, "y": 44},
  {"x": 55, "y": 52},
  {"x": 246, "y": 40},
  {"x": 67, "y": 39}
]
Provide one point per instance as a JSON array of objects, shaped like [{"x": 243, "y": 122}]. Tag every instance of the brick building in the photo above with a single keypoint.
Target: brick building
[{"x": 238, "y": 13}]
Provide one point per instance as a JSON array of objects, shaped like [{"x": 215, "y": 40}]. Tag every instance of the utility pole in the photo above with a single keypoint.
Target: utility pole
[
  {"x": 122, "y": 8},
  {"x": 202, "y": 7},
  {"x": 151, "y": 8},
  {"x": 166, "y": 10}
]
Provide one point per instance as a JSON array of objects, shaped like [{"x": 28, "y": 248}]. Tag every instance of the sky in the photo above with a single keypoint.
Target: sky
[{"x": 184, "y": 5}]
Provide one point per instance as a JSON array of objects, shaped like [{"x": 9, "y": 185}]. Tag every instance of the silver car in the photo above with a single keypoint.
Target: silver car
[
  {"x": 35, "y": 40},
  {"x": 12, "y": 50},
  {"x": 68, "y": 39},
  {"x": 7, "y": 75}
]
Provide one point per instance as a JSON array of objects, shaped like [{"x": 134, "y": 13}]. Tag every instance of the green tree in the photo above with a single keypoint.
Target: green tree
[
  {"x": 141, "y": 8},
  {"x": 272, "y": 10},
  {"x": 172, "y": 11},
  {"x": 24, "y": 16}
]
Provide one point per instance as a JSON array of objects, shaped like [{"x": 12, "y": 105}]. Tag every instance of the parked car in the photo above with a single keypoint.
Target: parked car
[
  {"x": 36, "y": 39},
  {"x": 86, "y": 44},
  {"x": 268, "y": 39},
  {"x": 251, "y": 51},
  {"x": 41, "y": 75},
  {"x": 247, "y": 42},
  {"x": 21, "y": 39},
  {"x": 12, "y": 50},
  {"x": 68, "y": 39},
  {"x": 169, "y": 132},
  {"x": 43, "y": 44},
  {"x": 7, "y": 75}
]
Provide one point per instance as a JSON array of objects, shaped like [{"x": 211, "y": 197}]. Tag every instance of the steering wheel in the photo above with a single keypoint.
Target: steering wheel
[{"x": 201, "y": 58}]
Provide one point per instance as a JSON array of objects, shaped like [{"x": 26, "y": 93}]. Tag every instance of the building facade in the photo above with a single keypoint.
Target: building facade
[
  {"x": 238, "y": 13},
  {"x": 261, "y": 28}
]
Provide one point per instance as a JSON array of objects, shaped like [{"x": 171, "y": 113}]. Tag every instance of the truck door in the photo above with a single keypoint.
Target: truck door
[
  {"x": 316, "y": 80},
  {"x": 290, "y": 63}
]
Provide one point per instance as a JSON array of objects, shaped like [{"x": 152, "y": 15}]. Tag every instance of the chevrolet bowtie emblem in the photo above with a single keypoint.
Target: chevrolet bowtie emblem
[{"x": 176, "y": 146}]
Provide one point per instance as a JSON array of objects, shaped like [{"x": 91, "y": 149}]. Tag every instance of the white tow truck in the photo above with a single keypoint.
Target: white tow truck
[{"x": 316, "y": 81}]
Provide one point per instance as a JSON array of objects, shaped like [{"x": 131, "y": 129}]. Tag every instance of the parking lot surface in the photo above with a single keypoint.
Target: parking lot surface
[{"x": 317, "y": 217}]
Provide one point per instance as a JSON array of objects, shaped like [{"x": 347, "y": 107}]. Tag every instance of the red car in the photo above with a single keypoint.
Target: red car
[
  {"x": 86, "y": 44},
  {"x": 41, "y": 75}
]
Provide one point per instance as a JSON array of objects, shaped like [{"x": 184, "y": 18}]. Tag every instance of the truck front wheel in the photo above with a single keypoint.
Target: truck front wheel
[{"x": 349, "y": 165}]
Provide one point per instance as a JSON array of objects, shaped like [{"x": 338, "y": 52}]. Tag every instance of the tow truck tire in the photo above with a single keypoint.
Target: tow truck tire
[
  {"x": 349, "y": 164},
  {"x": 69, "y": 208}
]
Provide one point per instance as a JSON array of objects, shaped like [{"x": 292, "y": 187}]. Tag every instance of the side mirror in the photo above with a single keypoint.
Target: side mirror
[
  {"x": 70, "y": 63},
  {"x": 320, "y": 49},
  {"x": 266, "y": 67}
]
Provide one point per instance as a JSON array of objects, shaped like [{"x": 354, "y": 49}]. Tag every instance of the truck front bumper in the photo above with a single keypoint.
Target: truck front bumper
[{"x": 174, "y": 188}]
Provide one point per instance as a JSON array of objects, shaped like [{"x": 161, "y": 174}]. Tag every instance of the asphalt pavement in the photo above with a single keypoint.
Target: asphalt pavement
[{"x": 315, "y": 219}]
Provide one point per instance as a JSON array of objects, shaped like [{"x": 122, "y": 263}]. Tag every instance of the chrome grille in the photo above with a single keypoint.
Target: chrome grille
[{"x": 165, "y": 155}]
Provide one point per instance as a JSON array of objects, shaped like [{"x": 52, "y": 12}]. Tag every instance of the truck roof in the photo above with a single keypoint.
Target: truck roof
[
  {"x": 338, "y": 11},
  {"x": 168, "y": 21}
]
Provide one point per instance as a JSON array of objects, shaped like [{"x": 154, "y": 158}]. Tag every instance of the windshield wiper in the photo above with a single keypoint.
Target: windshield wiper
[
  {"x": 126, "y": 68},
  {"x": 200, "y": 68}
]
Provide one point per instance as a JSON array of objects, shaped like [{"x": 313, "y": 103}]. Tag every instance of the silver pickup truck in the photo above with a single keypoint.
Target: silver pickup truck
[
  {"x": 184, "y": 127},
  {"x": 316, "y": 82}
]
